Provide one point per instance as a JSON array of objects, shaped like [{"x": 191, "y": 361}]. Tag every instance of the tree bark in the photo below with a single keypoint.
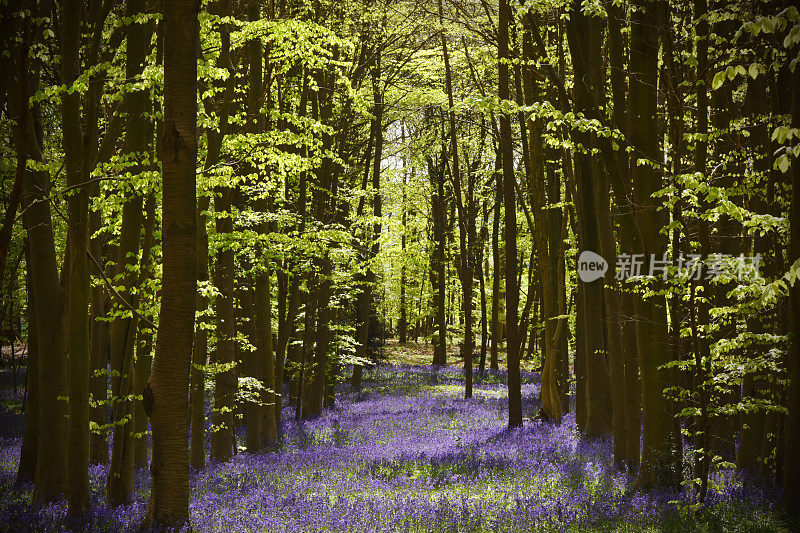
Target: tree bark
[
  {"x": 168, "y": 388},
  {"x": 200, "y": 344},
  {"x": 466, "y": 238},
  {"x": 247, "y": 328},
  {"x": 791, "y": 461},
  {"x": 123, "y": 329},
  {"x": 510, "y": 230},
  {"x": 26, "y": 470},
  {"x": 263, "y": 291},
  {"x": 660, "y": 452},
  {"x": 144, "y": 349},
  {"x": 438, "y": 203},
  {"x": 78, "y": 277},
  {"x": 497, "y": 266},
  {"x": 551, "y": 400},
  {"x": 50, "y": 478},
  {"x": 98, "y": 346},
  {"x": 585, "y": 37},
  {"x": 225, "y": 380}
]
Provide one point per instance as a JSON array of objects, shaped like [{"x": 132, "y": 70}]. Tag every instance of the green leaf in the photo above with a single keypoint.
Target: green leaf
[
  {"x": 718, "y": 80},
  {"x": 783, "y": 163}
]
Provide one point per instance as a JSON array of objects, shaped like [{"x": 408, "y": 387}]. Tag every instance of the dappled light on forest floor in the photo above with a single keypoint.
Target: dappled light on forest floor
[{"x": 408, "y": 453}]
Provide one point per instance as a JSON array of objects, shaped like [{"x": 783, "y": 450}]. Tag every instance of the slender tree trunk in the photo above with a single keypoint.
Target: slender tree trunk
[
  {"x": 247, "y": 328},
  {"x": 756, "y": 384},
  {"x": 482, "y": 264},
  {"x": 225, "y": 380},
  {"x": 613, "y": 325},
  {"x": 510, "y": 231},
  {"x": 26, "y": 470},
  {"x": 324, "y": 212},
  {"x": 585, "y": 39},
  {"x": 616, "y": 54},
  {"x": 144, "y": 350},
  {"x": 285, "y": 333},
  {"x": 200, "y": 345},
  {"x": 791, "y": 461},
  {"x": 316, "y": 385},
  {"x": 497, "y": 267},
  {"x": 438, "y": 203},
  {"x": 551, "y": 401},
  {"x": 364, "y": 298},
  {"x": 78, "y": 235},
  {"x": 266, "y": 362},
  {"x": 50, "y": 478},
  {"x": 365, "y": 301},
  {"x": 306, "y": 351},
  {"x": 168, "y": 388},
  {"x": 660, "y": 453},
  {"x": 402, "y": 325},
  {"x": 466, "y": 271},
  {"x": 700, "y": 310},
  {"x": 51, "y": 462},
  {"x": 633, "y": 391},
  {"x": 332, "y": 370},
  {"x": 98, "y": 346},
  {"x": 123, "y": 330}
]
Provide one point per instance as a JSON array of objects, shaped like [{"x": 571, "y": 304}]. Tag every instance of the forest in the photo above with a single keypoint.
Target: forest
[{"x": 399, "y": 265}]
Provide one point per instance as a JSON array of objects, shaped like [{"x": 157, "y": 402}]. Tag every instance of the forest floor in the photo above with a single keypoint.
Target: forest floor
[{"x": 409, "y": 453}]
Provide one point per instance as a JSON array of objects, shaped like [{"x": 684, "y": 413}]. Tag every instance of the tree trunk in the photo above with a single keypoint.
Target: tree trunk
[
  {"x": 497, "y": 266},
  {"x": 756, "y": 384},
  {"x": 98, "y": 346},
  {"x": 365, "y": 298},
  {"x": 26, "y": 470},
  {"x": 482, "y": 264},
  {"x": 402, "y": 325},
  {"x": 312, "y": 406},
  {"x": 660, "y": 454},
  {"x": 266, "y": 363},
  {"x": 510, "y": 230},
  {"x": 438, "y": 208},
  {"x": 613, "y": 325},
  {"x": 123, "y": 330},
  {"x": 633, "y": 391},
  {"x": 701, "y": 313},
  {"x": 585, "y": 37},
  {"x": 551, "y": 401},
  {"x": 247, "y": 329},
  {"x": 225, "y": 378},
  {"x": 168, "y": 388},
  {"x": 78, "y": 236},
  {"x": 51, "y": 461},
  {"x": 616, "y": 54},
  {"x": 285, "y": 333},
  {"x": 791, "y": 461},
  {"x": 50, "y": 478},
  {"x": 579, "y": 362},
  {"x": 200, "y": 345},
  {"x": 144, "y": 350},
  {"x": 466, "y": 238}
]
